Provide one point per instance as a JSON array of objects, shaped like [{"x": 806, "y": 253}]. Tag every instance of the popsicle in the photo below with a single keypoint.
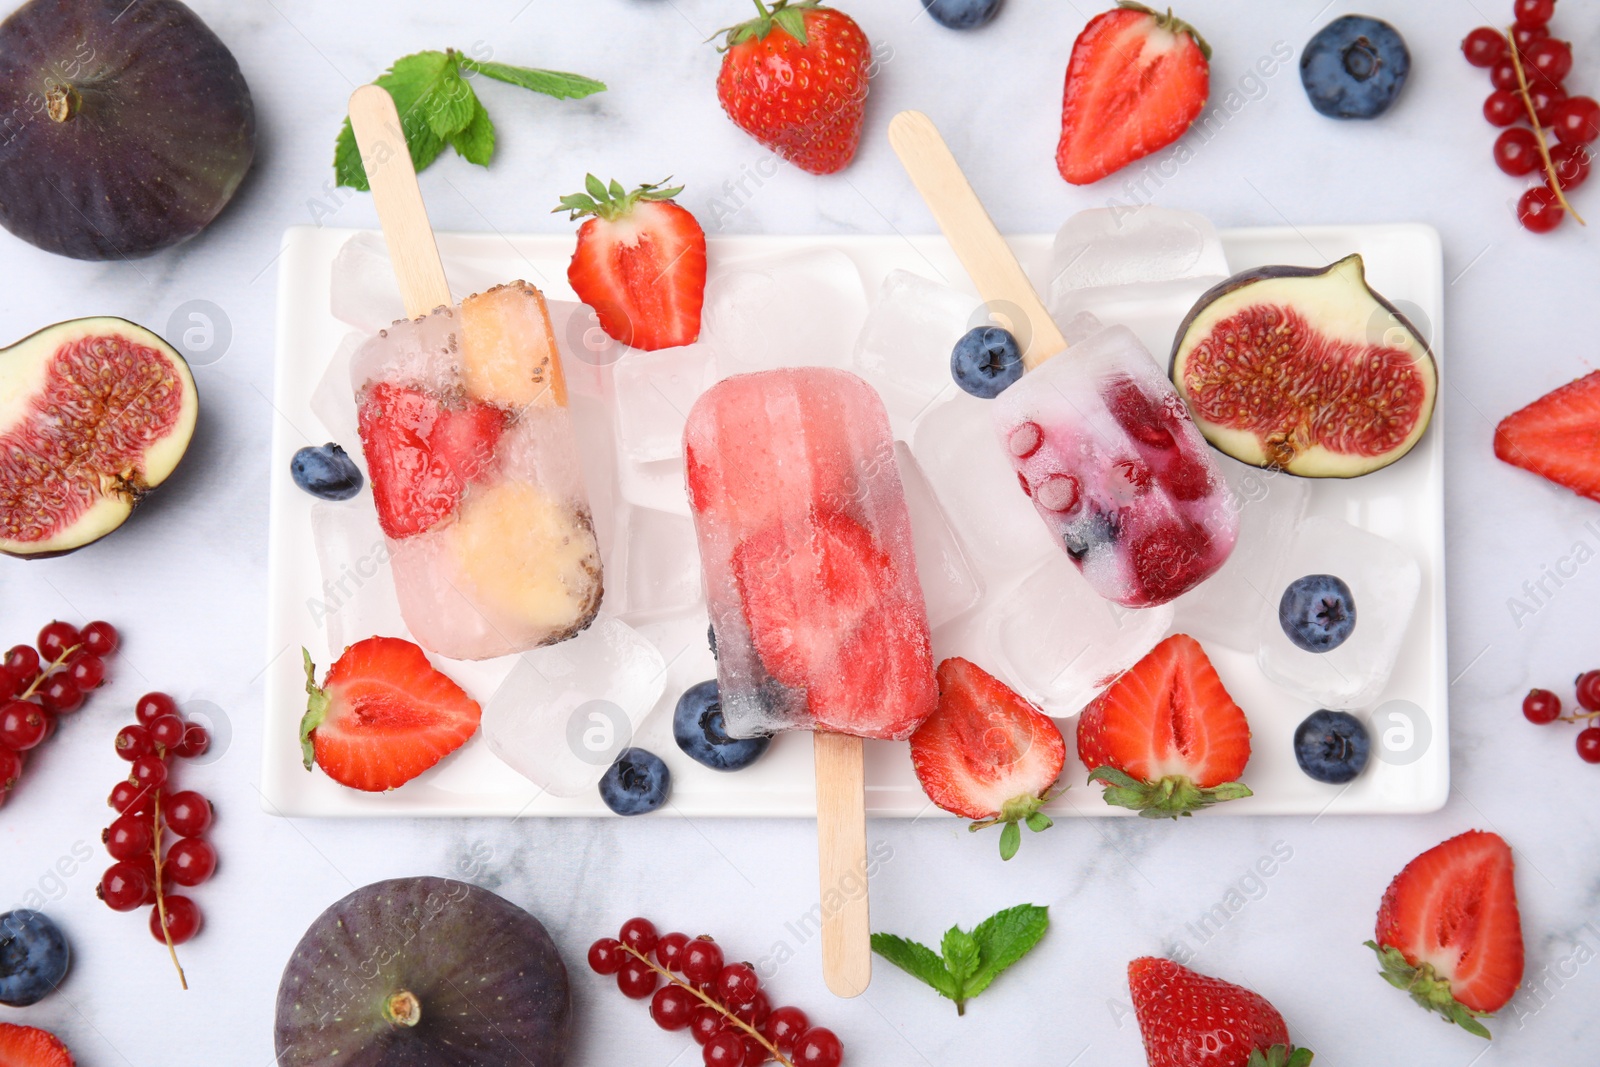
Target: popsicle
[
  {"x": 811, "y": 582},
  {"x": 1100, "y": 440},
  {"x": 468, "y": 441}
]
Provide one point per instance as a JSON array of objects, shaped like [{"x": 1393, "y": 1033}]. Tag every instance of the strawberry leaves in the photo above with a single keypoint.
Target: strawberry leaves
[
  {"x": 1427, "y": 989},
  {"x": 612, "y": 201},
  {"x": 439, "y": 108},
  {"x": 1280, "y": 1056},
  {"x": 316, "y": 711},
  {"x": 967, "y": 962},
  {"x": 1164, "y": 798},
  {"x": 789, "y": 19}
]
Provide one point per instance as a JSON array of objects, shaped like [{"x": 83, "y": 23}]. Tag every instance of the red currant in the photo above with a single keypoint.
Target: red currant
[
  {"x": 134, "y": 741},
  {"x": 148, "y": 772},
  {"x": 23, "y": 725},
  {"x": 702, "y": 962},
  {"x": 10, "y": 768},
  {"x": 1503, "y": 76},
  {"x": 190, "y": 861},
  {"x": 1571, "y": 162},
  {"x": 1539, "y": 211},
  {"x": 101, "y": 638},
  {"x": 1576, "y": 120},
  {"x": 1516, "y": 151},
  {"x": 725, "y": 1049},
  {"x": 1589, "y": 690},
  {"x": 818, "y": 1047},
  {"x": 784, "y": 1027},
  {"x": 56, "y": 638},
  {"x": 22, "y": 661},
  {"x": 61, "y": 695},
  {"x": 1533, "y": 12},
  {"x": 188, "y": 814},
  {"x": 1502, "y": 108},
  {"x": 1484, "y": 47},
  {"x": 753, "y": 1011},
  {"x": 183, "y": 920},
  {"x": 1549, "y": 57},
  {"x": 671, "y": 1007},
  {"x": 152, "y": 705},
  {"x": 606, "y": 956},
  {"x": 86, "y": 670},
  {"x": 129, "y": 836},
  {"x": 704, "y": 1021},
  {"x": 195, "y": 741},
  {"x": 1541, "y": 706},
  {"x": 755, "y": 1053},
  {"x": 166, "y": 732},
  {"x": 737, "y": 983},
  {"x": 124, "y": 887},
  {"x": 669, "y": 950},
  {"x": 1546, "y": 99},
  {"x": 1589, "y": 744},
  {"x": 636, "y": 979},
  {"x": 1525, "y": 35},
  {"x": 639, "y": 934},
  {"x": 131, "y": 799}
]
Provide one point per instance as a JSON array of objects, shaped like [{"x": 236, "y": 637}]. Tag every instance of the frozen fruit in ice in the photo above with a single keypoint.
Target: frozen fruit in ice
[
  {"x": 1332, "y": 746},
  {"x": 697, "y": 726},
  {"x": 33, "y": 958},
  {"x": 508, "y": 348},
  {"x": 986, "y": 360},
  {"x": 422, "y": 453},
  {"x": 1354, "y": 67},
  {"x": 636, "y": 783},
  {"x": 1189, "y": 1019},
  {"x": 94, "y": 413},
  {"x": 326, "y": 471},
  {"x": 382, "y": 715},
  {"x": 1557, "y": 436},
  {"x": 1317, "y": 612},
  {"x": 962, "y": 14},
  {"x": 1166, "y": 738},
  {"x": 127, "y": 129},
  {"x": 1307, "y": 370},
  {"x": 425, "y": 972},
  {"x": 28, "y": 1046},
  {"x": 1449, "y": 932}
]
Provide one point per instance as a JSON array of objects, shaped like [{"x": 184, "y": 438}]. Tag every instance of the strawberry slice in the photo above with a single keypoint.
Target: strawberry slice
[
  {"x": 383, "y": 715},
  {"x": 1557, "y": 437},
  {"x": 1136, "y": 81},
  {"x": 28, "y": 1046},
  {"x": 987, "y": 754},
  {"x": 1449, "y": 932},
  {"x": 421, "y": 455},
  {"x": 640, "y": 263},
  {"x": 1166, "y": 737},
  {"x": 1188, "y": 1019}
]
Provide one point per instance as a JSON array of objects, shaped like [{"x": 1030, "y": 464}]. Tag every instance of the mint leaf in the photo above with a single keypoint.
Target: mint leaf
[
  {"x": 554, "y": 83},
  {"x": 971, "y": 960},
  {"x": 919, "y": 961},
  {"x": 1003, "y": 939},
  {"x": 449, "y": 104},
  {"x": 475, "y": 143}
]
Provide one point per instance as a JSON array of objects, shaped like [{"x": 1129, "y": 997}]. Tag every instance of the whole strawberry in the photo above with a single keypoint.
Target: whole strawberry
[
  {"x": 795, "y": 79},
  {"x": 1188, "y": 1019}
]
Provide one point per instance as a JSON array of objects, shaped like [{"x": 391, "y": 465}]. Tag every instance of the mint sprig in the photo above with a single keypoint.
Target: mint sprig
[
  {"x": 968, "y": 962},
  {"x": 439, "y": 107}
]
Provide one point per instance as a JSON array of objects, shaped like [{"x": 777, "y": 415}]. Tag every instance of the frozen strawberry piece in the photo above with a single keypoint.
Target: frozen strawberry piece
[{"x": 422, "y": 455}]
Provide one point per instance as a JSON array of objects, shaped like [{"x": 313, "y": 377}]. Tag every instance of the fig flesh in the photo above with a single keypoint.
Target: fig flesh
[
  {"x": 424, "y": 972},
  {"x": 94, "y": 413},
  {"x": 124, "y": 128},
  {"x": 1305, "y": 370}
]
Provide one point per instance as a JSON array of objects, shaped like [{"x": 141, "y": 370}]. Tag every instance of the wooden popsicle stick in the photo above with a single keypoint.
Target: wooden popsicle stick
[
  {"x": 989, "y": 261},
  {"x": 842, "y": 859},
  {"x": 412, "y": 249}
]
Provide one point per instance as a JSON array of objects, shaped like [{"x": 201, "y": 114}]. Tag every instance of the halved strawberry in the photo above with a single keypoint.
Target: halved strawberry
[
  {"x": 640, "y": 263},
  {"x": 1449, "y": 932},
  {"x": 987, "y": 754},
  {"x": 383, "y": 715},
  {"x": 1557, "y": 436},
  {"x": 1136, "y": 81},
  {"x": 28, "y": 1046},
  {"x": 1166, "y": 737},
  {"x": 421, "y": 454},
  {"x": 1188, "y": 1019}
]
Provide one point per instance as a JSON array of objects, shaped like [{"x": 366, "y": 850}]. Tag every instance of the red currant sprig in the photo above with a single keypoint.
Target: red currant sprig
[
  {"x": 1541, "y": 707},
  {"x": 42, "y": 681}
]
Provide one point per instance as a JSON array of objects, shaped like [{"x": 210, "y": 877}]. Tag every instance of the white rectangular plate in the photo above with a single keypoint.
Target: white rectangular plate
[{"x": 1404, "y": 503}]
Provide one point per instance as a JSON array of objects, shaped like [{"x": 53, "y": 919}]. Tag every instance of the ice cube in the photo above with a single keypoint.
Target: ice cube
[
  {"x": 904, "y": 348},
  {"x": 949, "y": 585},
  {"x": 1059, "y": 642},
  {"x": 358, "y": 597},
  {"x": 1140, "y": 267},
  {"x": 797, "y": 309},
  {"x": 956, "y": 447},
  {"x": 364, "y": 293},
  {"x": 1384, "y": 580},
  {"x": 654, "y": 392},
  {"x": 565, "y": 711},
  {"x": 1226, "y": 608},
  {"x": 333, "y": 402},
  {"x": 661, "y": 566}
]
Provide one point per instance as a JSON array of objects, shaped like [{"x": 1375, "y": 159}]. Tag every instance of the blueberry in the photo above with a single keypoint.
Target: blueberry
[
  {"x": 962, "y": 14},
  {"x": 1354, "y": 67},
  {"x": 985, "y": 361},
  {"x": 1096, "y": 528},
  {"x": 711, "y": 639},
  {"x": 697, "y": 727},
  {"x": 33, "y": 957},
  {"x": 1317, "y": 612},
  {"x": 326, "y": 471},
  {"x": 636, "y": 784},
  {"x": 1331, "y": 746}
]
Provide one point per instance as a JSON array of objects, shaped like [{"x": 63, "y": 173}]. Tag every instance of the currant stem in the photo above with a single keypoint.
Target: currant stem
[
  {"x": 161, "y": 895},
  {"x": 48, "y": 671},
  {"x": 1538, "y": 131},
  {"x": 721, "y": 1009}
]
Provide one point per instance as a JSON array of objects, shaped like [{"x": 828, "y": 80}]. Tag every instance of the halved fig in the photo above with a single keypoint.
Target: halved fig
[
  {"x": 1305, "y": 370},
  {"x": 94, "y": 413}
]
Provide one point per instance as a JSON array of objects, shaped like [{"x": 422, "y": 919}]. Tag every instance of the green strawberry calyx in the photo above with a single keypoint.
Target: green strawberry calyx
[
  {"x": 1280, "y": 1056},
  {"x": 1169, "y": 22},
  {"x": 1165, "y": 798},
  {"x": 1015, "y": 813},
  {"x": 790, "y": 17},
  {"x": 1428, "y": 989},
  {"x": 317, "y": 701},
  {"x": 611, "y": 202}
]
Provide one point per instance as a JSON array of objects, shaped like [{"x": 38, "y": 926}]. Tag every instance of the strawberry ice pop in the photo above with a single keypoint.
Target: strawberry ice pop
[{"x": 805, "y": 542}]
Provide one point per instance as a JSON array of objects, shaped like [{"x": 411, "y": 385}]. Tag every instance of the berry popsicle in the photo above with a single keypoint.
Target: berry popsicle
[
  {"x": 1101, "y": 441},
  {"x": 468, "y": 441}
]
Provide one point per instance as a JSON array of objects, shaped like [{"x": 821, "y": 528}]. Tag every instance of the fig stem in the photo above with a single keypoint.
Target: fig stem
[
  {"x": 1538, "y": 131},
  {"x": 717, "y": 1006},
  {"x": 161, "y": 893},
  {"x": 403, "y": 1008},
  {"x": 62, "y": 102}
]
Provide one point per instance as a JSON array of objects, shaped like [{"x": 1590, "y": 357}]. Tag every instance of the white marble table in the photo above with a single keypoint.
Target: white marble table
[{"x": 187, "y": 583}]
